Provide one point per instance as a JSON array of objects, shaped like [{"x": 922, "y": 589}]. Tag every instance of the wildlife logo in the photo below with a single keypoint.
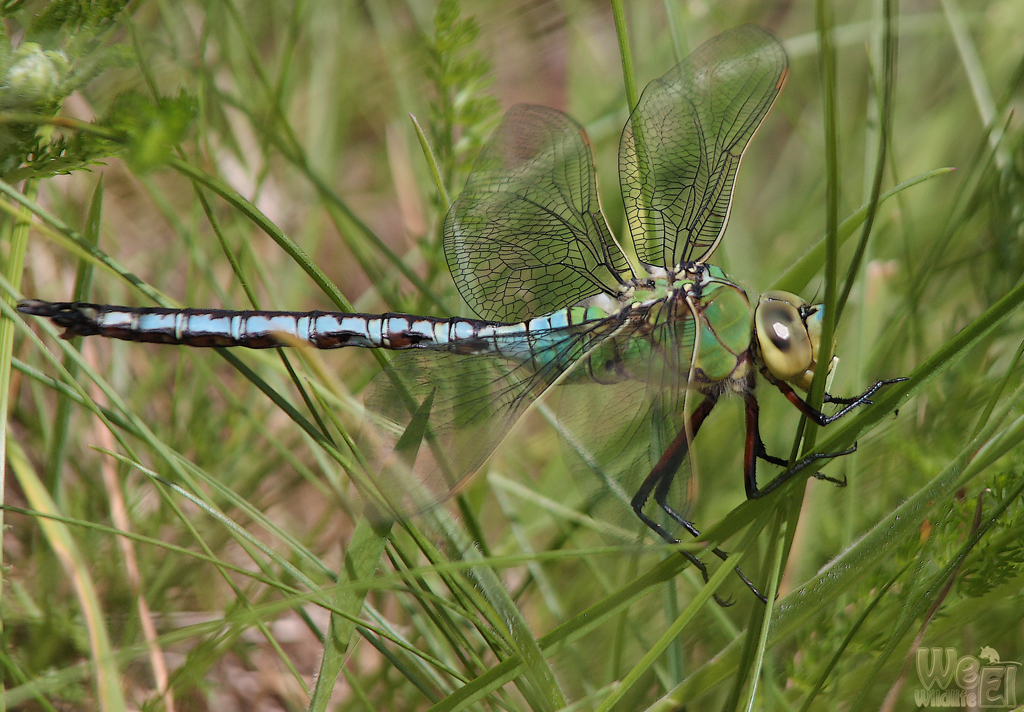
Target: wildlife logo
[{"x": 974, "y": 682}]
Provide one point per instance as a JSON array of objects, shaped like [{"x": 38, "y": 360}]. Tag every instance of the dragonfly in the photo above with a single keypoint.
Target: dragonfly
[{"x": 628, "y": 343}]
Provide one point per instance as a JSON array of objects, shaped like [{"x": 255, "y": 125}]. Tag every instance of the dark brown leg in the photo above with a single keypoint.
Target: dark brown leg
[
  {"x": 755, "y": 447},
  {"x": 660, "y": 481},
  {"x": 661, "y": 476}
]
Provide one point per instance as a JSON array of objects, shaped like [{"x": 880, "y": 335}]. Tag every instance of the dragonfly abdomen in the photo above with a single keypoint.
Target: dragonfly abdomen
[
  {"x": 533, "y": 340},
  {"x": 258, "y": 329}
]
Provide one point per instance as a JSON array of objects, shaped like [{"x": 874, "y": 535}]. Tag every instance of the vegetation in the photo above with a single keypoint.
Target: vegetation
[{"x": 183, "y": 526}]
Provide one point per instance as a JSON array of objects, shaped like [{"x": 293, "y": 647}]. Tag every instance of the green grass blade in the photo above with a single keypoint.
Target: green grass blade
[{"x": 108, "y": 676}]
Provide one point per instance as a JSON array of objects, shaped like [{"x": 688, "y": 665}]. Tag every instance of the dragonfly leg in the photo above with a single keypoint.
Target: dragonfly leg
[
  {"x": 820, "y": 418},
  {"x": 660, "y": 481},
  {"x": 762, "y": 453},
  {"x": 755, "y": 449}
]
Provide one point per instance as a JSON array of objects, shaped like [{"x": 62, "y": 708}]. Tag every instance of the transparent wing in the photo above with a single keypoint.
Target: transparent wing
[
  {"x": 466, "y": 404},
  {"x": 463, "y": 405},
  {"x": 611, "y": 457},
  {"x": 527, "y": 235},
  {"x": 683, "y": 143},
  {"x": 613, "y": 434}
]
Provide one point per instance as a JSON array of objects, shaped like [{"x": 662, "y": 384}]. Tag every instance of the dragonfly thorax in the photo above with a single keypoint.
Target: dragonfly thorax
[
  {"x": 787, "y": 334},
  {"x": 688, "y": 278}
]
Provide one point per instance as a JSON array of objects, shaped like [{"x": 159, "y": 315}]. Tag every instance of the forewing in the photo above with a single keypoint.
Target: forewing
[
  {"x": 683, "y": 143},
  {"x": 527, "y": 235}
]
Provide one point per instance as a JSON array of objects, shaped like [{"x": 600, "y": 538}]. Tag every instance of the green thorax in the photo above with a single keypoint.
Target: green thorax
[{"x": 726, "y": 322}]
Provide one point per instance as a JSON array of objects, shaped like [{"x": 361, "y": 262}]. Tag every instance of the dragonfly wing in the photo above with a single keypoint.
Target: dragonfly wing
[
  {"x": 466, "y": 404},
  {"x": 460, "y": 406},
  {"x": 613, "y": 434},
  {"x": 683, "y": 143},
  {"x": 527, "y": 235},
  {"x": 611, "y": 454}
]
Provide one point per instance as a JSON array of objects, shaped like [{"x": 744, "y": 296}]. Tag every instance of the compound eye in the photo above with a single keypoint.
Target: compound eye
[{"x": 782, "y": 335}]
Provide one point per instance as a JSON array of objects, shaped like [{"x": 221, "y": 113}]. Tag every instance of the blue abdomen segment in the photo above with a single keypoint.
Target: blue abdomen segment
[{"x": 539, "y": 340}]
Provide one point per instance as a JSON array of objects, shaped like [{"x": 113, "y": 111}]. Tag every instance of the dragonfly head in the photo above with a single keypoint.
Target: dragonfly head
[{"x": 788, "y": 332}]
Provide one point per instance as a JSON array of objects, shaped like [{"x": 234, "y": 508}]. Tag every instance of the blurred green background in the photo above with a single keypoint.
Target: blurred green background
[{"x": 304, "y": 109}]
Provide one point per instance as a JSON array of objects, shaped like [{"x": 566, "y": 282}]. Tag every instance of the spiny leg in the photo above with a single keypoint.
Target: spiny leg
[
  {"x": 660, "y": 481},
  {"x": 755, "y": 447},
  {"x": 820, "y": 418},
  {"x": 661, "y": 476}
]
